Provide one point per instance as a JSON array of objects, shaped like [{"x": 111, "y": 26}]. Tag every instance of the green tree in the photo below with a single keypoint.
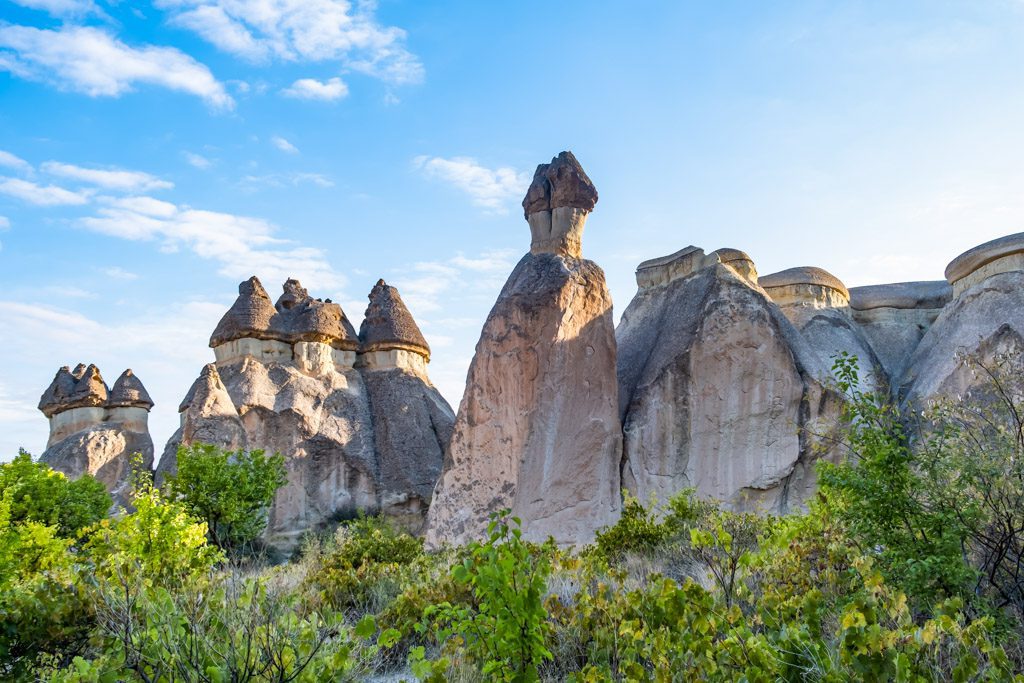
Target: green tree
[
  {"x": 37, "y": 493},
  {"x": 881, "y": 498},
  {"x": 230, "y": 490}
]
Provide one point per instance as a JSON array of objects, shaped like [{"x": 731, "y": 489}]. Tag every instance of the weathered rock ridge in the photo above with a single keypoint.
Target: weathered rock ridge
[
  {"x": 95, "y": 430},
  {"x": 718, "y": 391},
  {"x": 538, "y": 427},
  {"x": 356, "y": 417}
]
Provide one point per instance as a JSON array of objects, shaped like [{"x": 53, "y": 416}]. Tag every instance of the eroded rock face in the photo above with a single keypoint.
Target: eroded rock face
[
  {"x": 95, "y": 430},
  {"x": 355, "y": 434},
  {"x": 984, "y": 319},
  {"x": 718, "y": 390},
  {"x": 538, "y": 428},
  {"x": 818, "y": 304}
]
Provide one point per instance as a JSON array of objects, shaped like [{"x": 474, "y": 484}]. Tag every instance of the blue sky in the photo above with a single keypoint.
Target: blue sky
[{"x": 152, "y": 155}]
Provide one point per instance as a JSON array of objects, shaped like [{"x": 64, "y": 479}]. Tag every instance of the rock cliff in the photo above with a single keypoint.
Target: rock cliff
[{"x": 538, "y": 428}]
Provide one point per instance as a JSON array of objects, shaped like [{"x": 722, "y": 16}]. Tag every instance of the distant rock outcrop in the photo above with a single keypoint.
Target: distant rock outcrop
[
  {"x": 983, "y": 319},
  {"x": 718, "y": 390},
  {"x": 95, "y": 430},
  {"x": 538, "y": 428},
  {"x": 361, "y": 427}
]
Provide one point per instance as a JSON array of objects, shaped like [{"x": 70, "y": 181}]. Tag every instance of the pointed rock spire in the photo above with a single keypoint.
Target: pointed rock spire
[
  {"x": 209, "y": 394},
  {"x": 128, "y": 392},
  {"x": 388, "y": 324},
  {"x": 56, "y": 395},
  {"x": 249, "y": 316}
]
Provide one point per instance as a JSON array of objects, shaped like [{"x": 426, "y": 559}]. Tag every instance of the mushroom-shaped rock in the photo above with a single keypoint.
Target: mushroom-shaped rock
[
  {"x": 249, "y": 317},
  {"x": 90, "y": 390},
  {"x": 388, "y": 324},
  {"x": 556, "y": 206},
  {"x": 817, "y": 302},
  {"x": 805, "y": 285},
  {"x": 663, "y": 270},
  {"x": 739, "y": 261},
  {"x": 896, "y": 316},
  {"x": 128, "y": 392},
  {"x": 976, "y": 265},
  {"x": 56, "y": 396},
  {"x": 538, "y": 429}
]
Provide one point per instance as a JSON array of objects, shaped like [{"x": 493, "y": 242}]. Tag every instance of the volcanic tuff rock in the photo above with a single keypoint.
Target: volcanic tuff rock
[
  {"x": 360, "y": 428},
  {"x": 818, "y": 303},
  {"x": 95, "y": 430},
  {"x": 984, "y": 319},
  {"x": 538, "y": 428},
  {"x": 718, "y": 391}
]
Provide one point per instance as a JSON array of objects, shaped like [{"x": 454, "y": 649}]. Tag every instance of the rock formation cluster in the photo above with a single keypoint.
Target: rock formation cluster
[
  {"x": 95, "y": 429},
  {"x": 538, "y": 428},
  {"x": 716, "y": 379},
  {"x": 355, "y": 415}
]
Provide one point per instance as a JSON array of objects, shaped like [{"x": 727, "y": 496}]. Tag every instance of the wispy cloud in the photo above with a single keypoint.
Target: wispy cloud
[
  {"x": 312, "y": 89},
  {"x": 92, "y": 61},
  {"x": 284, "y": 145},
  {"x": 302, "y": 31},
  {"x": 43, "y": 195},
  {"x": 197, "y": 160},
  {"x": 119, "y": 273},
  {"x": 5, "y": 223},
  {"x": 488, "y": 188},
  {"x": 241, "y": 245},
  {"x": 17, "y": 163},
  {"x": 61, "y": 8},
  {"x": 285, "y": 180},
  {"x": 112, "y": 179},
  {"x": 426, "y": 283}
]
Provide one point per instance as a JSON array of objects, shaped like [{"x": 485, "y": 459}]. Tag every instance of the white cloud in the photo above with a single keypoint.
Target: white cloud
[
  {"x": 312, "y": 89},
  {"x": 42, "y": 195},
  {"x": 10, "y": 161},
  {"x": 119, "y": 273},
  {"x": 284, "y": 145},
  {"x": 241, "y": 245},
  {"x": 5, "y": 223},
  {"x": 302, "y": 31},
  {"x": 112, "y": 179},
  {"x": 197, "y": 160},
  {"x": 488, "y": 188},
  {"x": 91, "y": 61},
  {"x": 60, "y": 8},
  {"x": 285, "y": 179}
]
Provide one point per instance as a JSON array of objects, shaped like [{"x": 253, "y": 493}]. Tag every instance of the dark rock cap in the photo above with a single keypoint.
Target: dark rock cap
[
  {"x": 249, "y": 316},
  {"x": 804, "y": 275},
  {"x": 128, "y": 392},
  {"x": 301, "y": 318},
  {"x": 928, "y": 295},
  {"x": 983, "y": 254},
  {"x": 562, "y": 183},
  {"x": 57, "y": 394},
  {"x": 389, "y": 325},
  {"x": 90, "y": 390}
]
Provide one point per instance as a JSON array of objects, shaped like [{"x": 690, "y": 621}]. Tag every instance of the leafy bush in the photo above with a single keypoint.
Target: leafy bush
[
  {"x": 37, "y": 493},
  {"x": 505, "y": 628},
  {"x": 230, "y": 490}
]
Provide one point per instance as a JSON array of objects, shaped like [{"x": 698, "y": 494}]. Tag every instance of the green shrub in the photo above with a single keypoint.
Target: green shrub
[
  {"x": 37, "y": 493},
  {"x": 230, "y": 490}
]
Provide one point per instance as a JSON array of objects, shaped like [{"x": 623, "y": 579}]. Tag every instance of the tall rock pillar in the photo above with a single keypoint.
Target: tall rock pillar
[{"x": 538, "y": 429}]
